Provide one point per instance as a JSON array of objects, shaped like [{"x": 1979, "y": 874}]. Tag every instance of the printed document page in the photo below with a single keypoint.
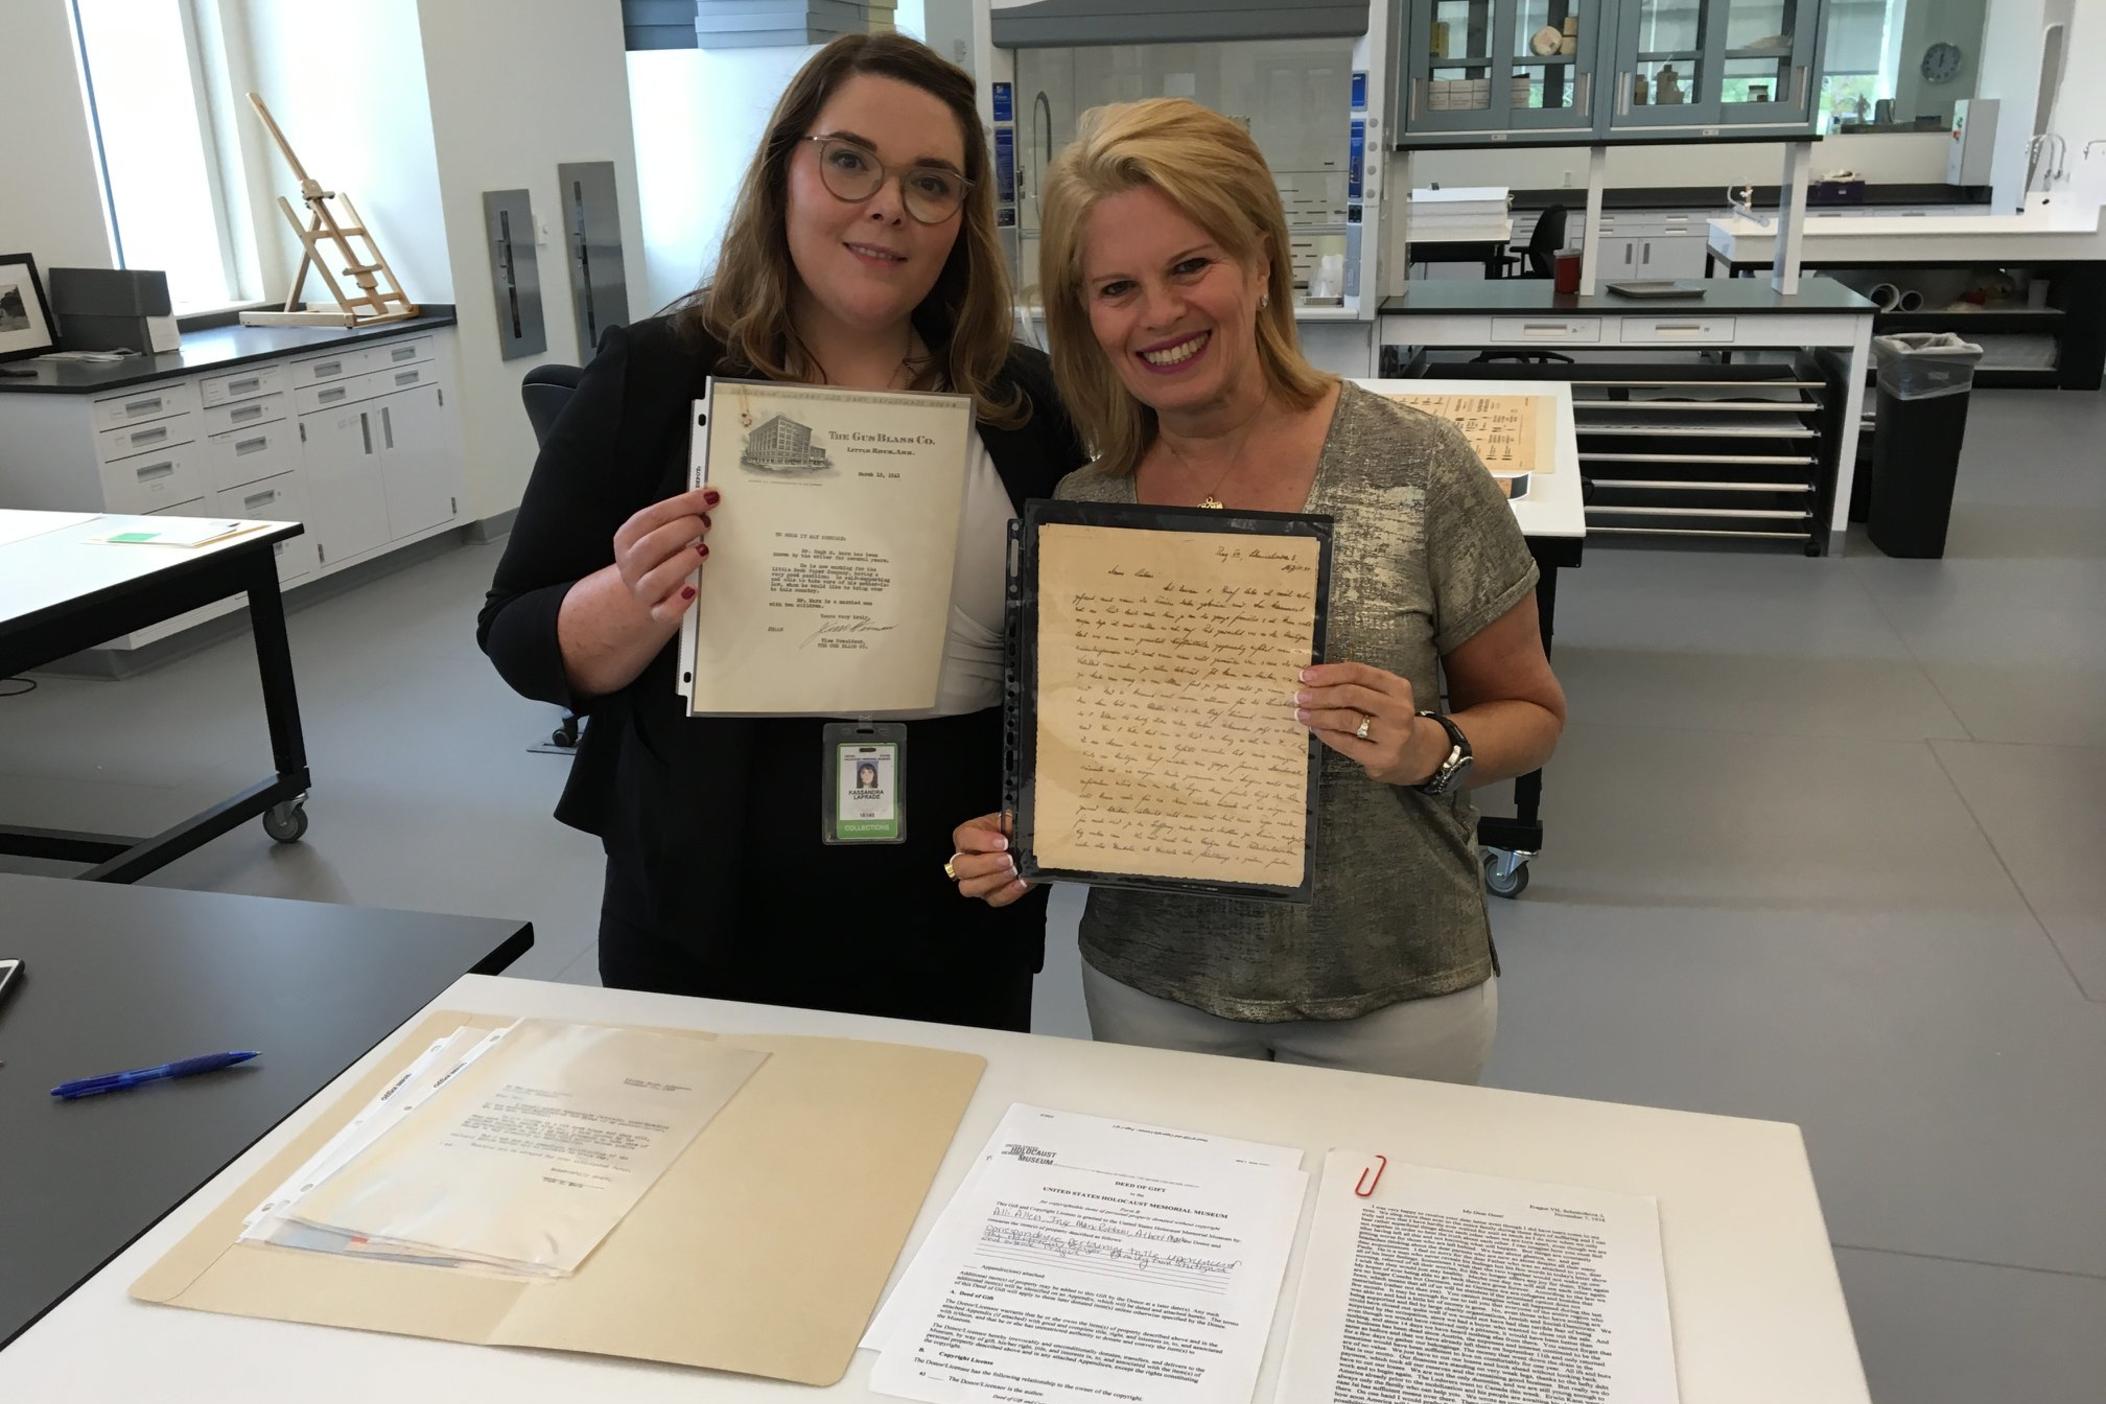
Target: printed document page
[
  {"x": 1442, "y": 1286},
  {"x": 1084, "y": 1262},
  {"x": 534, "y": 1153}
]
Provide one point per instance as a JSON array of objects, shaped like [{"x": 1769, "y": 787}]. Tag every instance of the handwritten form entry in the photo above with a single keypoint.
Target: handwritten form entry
[
  {"x": 1509, "y": 432},
  {"x": 1168, "y": 663}
]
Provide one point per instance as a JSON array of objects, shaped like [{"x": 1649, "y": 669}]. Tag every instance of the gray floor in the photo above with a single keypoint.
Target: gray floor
[{"x": 1824, "y": 847}]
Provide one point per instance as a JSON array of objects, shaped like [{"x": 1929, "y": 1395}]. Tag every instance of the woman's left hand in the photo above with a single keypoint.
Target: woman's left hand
[{"x": 1372, "y": 717}]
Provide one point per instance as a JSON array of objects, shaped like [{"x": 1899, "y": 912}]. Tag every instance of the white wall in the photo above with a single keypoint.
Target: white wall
[
  {"x": 1890, "y": 158},
  {"x": 50, "y": 192},
  {"x": 369, "y": 138},
  {"x": 1928, "y": 22},
  {"x": 516, "y": 87},
  {"x": 698, "y": 115}
]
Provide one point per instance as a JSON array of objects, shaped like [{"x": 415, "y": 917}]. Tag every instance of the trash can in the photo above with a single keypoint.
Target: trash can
[{"x": 1924, "y": 380}]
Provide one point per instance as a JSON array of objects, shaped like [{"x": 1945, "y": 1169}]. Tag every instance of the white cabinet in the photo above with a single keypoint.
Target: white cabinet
[
  {"x": 340, "y": 471},
  {"x": 414, "y": 469}
]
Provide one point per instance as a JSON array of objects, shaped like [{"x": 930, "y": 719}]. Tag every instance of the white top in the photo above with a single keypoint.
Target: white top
[
  {"x": 972, "y": 643},
  {"x": 47, "y": 562},
  {"x": 1554, "y": 506},
  {"x": 1757, "y": 1309},
  {"x": 2064, "y": 227}
]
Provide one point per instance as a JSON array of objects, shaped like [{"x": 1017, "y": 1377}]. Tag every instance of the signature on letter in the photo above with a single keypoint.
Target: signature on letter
[{"x": 849, "y": 624}]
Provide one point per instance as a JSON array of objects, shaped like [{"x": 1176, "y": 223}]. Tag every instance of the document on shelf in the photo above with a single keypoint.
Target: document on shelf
[
  {"x": 531, "y": 1156},
  {"x": 1513, "y": 434},
  {"x": 828, "y": 585},
  {"x": 1440, "y": 1285},
  {"x": 1085, "y": 1259}
]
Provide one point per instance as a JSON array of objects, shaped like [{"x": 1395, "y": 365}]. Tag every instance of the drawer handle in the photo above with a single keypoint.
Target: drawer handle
[
  {"x": 156, "y": 470},
  {"x": 142, "y": 406},
  {"x": 403, "y": 353},
  {"x": 1678, "y": 326},
  {"x": 243, "y": 447},
  {"x": 328, "y": 367},
  {"x": 334, "y": 393},
  {"x": 245, "y": 412},
  {"x": 260, "y": 499},
  {"x": 1541, "y": 328},
  {"x": 147, "y": 436},
  {"x": 408, "y": 377},
  {"x": 235, "y": 387}
]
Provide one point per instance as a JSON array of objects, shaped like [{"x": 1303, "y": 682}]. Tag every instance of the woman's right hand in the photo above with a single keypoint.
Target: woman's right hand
[
  {"x": 658, "y": 548},
  {"x": 981, "y": 864}
]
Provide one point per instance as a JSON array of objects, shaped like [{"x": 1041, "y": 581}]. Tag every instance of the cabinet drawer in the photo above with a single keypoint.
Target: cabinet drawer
[
  {"x": 150, "y": 482},
  {"x": 387, "y": 382},
  {"x": 311, "y": 370},
  {"x": 248, "y": 454},
  {"x": 372, "y": 385},
  {"x": 398, "y": 353},
  {"x": 145, "y": 403},
  {"x": 1660, "y": 329},
  {"x": 308, "y": 399},
  {"x": 241, "y": 385},
  {"x": 113, "y": 444},
  {"x": 1551, "y": 330},
  {"x": 245, "y": 414}
]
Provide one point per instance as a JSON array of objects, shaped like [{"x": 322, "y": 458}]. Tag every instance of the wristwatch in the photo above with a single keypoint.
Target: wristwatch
[{"x": 1448, "y": 775}]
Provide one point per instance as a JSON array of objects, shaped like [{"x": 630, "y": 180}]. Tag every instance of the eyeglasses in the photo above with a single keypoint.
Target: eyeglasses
[{"x": 851, "y": 171}]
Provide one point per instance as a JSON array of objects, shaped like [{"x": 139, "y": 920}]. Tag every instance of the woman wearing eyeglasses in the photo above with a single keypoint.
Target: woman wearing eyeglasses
[{"x": 862, "y": 253}]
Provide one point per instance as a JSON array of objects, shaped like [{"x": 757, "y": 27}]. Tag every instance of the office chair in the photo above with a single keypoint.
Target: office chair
[
  {"x": 545, "y": 391},
  {"x": 1539, "y": 260}
]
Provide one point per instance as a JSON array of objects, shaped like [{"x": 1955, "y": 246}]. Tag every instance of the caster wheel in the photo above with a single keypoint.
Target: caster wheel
[
  {"x": 286, "y": 821},
  {"x": 566, "y": 739},
  {"x": 1512, "y": 884}
]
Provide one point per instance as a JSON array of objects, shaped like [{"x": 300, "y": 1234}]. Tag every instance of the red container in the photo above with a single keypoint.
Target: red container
[{"x": 1568, "y": 272}]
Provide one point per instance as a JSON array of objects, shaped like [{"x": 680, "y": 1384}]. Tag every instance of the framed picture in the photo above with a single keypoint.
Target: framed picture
[{"x": 25, "y": 318}]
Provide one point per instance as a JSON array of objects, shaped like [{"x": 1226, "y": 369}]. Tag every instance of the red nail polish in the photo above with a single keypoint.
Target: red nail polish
[
  {"x": 712, "y": 497},
  {"x": 702, "y": 548},
  {"x": 687, "y": 592}
]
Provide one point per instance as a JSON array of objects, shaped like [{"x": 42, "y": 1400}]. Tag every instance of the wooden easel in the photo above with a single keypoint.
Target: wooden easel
[{"x": 374, "y": 302}]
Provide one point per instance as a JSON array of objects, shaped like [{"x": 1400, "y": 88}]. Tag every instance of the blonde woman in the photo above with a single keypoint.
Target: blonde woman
[
  {"x": 1169, "y": 306},
  {"x": 863, "y": 253}
]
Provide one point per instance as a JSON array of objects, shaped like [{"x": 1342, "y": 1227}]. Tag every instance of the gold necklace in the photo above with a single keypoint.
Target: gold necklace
[{"x": 1210, "y": 501}]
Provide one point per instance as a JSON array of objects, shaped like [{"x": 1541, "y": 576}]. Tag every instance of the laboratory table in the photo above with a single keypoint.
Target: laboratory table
[{"x": 1757, "y": 1308}]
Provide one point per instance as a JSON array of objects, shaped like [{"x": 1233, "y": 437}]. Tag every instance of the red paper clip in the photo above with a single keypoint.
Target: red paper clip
[{"x": 1366, "y": 1188}]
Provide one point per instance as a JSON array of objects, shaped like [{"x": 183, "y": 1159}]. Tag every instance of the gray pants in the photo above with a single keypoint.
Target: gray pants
[{"x": 1443, "y": 1039}]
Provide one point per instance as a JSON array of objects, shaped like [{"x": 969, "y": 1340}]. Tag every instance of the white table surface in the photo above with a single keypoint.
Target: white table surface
[
  {"x": 1757, "y": 1307},
  {"x": 2061, "y": 228},
  {"x": 64, "y": 562},
  {"x": 1554, "y": 506}
]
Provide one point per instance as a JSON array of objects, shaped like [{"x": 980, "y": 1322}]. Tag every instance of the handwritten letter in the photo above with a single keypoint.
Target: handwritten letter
[
  {"x": 1168, "y": 662},
  {"x": 1511, "y": 433}
]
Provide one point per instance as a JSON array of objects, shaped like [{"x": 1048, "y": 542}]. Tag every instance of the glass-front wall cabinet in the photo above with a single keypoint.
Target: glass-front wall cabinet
[
  {"x": 1581, "y": 69},
  {"x": 1715, "y": 63},
  {"x": 1293, "y": 95},
  {"x": 1500, "y": 65}
]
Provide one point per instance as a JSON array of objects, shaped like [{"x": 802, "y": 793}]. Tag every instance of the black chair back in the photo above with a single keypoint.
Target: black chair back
[
  {"x": 545, "y": 391},
  {"x": 1544, "y": 243}
]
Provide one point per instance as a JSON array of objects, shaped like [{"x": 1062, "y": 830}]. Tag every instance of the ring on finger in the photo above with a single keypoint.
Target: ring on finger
[
  {"x": 1360, "y": 731},
  {"x": 950, "y": 866}
]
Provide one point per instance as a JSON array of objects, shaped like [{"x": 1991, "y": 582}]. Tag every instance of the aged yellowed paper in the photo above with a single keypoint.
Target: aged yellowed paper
[
  {"x": 1167, "y": 666},
  {"x": 1511, "y": 433}
]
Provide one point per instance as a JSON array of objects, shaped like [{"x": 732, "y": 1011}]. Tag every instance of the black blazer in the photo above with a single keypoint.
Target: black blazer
[{"x": 620, "y": 444}]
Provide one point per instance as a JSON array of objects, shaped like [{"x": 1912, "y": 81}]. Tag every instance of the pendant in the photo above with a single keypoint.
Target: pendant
[{"x": 1212, "y": 501}]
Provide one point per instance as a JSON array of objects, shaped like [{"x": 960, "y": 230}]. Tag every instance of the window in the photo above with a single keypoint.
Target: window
[
  {"x": 160, "y": 171},
  {"x": 1880, "y": 51}
]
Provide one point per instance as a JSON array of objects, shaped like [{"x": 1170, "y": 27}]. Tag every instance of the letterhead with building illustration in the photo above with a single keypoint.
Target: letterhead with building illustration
[{"x": 827, "y": 587}]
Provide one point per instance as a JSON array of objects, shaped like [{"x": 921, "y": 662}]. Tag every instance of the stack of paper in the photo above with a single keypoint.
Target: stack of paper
[
  {"x": 1466, "y": 213},
  {"x": 513, "y": 1150},
  {"x": 1087, "y": 1259}
]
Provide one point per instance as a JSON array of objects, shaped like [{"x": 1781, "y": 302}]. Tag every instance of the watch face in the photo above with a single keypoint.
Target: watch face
[{"x": 1941, "y": 62}]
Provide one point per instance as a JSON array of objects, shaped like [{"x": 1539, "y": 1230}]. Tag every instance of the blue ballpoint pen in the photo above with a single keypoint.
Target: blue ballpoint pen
[{"x": 117, "y": 1082}]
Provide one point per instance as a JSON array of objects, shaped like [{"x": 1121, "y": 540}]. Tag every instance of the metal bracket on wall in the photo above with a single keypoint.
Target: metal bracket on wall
[
  {"x": 515, "y": 278},
  {"x": 592, "y": 236}
]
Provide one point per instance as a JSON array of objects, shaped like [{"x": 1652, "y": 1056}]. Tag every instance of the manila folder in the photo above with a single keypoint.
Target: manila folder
[{"x": 763, "y": 1250}]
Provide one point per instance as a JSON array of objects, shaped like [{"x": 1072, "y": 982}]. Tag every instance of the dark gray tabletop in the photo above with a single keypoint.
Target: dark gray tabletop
[
  {"x": 218, "y": 348},
  {"x": 1444, "y": 297},
  {"x": 120, "y": 977}
]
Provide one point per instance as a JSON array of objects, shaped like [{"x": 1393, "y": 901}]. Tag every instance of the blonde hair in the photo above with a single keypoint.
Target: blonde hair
[
  {"x": 966, "y": 320},
  {"x": 1207, "y": 166}
]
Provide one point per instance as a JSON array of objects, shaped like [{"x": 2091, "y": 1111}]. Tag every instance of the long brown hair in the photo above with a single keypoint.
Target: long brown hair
[
  {"x": 1208, "y": 166},
  {"x": 966, "y": 319}
]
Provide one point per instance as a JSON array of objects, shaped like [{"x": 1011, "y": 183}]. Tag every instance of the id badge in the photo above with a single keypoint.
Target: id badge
[{"x": 864, "y": 783}]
